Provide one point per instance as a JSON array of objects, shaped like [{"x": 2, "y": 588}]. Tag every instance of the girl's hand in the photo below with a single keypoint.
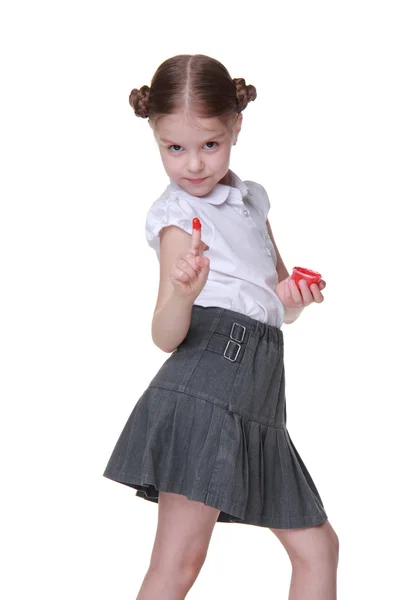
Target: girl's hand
[
  {"x": 293, "y": 297},
  {"x": 190, "y": 271}
]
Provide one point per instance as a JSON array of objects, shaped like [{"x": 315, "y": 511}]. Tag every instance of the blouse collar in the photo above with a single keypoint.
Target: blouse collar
[{"x": 220, "y": 192}]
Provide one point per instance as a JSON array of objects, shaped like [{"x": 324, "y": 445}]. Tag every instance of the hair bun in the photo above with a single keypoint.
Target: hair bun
[
  {"x": 139, "y": 100},
  {"x": 244, "y": 93}
]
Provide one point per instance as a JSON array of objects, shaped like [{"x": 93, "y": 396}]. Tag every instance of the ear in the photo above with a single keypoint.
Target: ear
[{"x": 237, "y": 127}]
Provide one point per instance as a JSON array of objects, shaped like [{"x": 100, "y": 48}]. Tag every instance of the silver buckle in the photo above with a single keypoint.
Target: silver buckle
[
  {"x": 226, "y": 348},
  {"x": 243, "y": 332}
]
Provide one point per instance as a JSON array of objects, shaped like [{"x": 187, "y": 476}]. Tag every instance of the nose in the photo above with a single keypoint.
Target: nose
[{"x": 195, "y": 164}]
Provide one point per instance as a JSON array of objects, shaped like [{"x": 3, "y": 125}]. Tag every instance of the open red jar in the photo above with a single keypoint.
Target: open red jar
[{"x": 307, "y": 274}]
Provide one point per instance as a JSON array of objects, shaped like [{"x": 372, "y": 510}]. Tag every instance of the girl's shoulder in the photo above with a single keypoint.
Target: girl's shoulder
[{"x": 174, "y": 207}]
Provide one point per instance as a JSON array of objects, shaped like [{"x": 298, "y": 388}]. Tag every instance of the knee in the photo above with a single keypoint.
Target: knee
[
  {"x": 335, "y": 546},
  {"x": 322, "y": 553},
  {"x": 191, "y": 564},
  {"x": 329, "y": 552},
  {"x": 182, "y": 571}
]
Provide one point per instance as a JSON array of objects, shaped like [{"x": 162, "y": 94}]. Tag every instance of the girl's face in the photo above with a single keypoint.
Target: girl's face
[{"x": 195, "y": 151}]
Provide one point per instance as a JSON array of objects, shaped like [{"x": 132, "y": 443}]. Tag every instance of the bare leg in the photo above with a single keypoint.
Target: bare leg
[
  {"x": 314, "y": 554},
  {"x": 180, "y": 547}
]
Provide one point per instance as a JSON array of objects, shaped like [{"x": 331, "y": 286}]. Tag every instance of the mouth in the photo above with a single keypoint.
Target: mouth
[{"x": 196, "y": 181}]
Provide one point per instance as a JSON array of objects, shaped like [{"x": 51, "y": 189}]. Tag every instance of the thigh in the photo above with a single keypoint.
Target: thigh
[
  {"x": 309, "y": 544},
  {"x": 183, "y": 531}
]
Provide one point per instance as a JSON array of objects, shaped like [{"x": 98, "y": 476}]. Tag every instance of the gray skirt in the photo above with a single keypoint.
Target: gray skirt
[{"x": 211, "y": 425}]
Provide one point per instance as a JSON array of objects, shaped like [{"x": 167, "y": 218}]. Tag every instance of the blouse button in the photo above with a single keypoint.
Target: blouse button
[{"x": 245, "y": 213}]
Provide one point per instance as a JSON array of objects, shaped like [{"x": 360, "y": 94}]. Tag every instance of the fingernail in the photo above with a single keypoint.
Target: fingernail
[{"x": 196, "y": 223}]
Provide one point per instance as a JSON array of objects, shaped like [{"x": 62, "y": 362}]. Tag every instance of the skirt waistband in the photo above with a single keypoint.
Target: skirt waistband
[{"x": 239, "y": 327}]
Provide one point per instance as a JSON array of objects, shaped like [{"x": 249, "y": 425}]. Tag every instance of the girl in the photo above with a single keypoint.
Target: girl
[{"x": 207, "y": 440}]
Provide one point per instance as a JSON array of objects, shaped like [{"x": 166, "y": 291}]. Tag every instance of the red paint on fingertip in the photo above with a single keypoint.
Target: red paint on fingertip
[{"x": 196, "y": 223}]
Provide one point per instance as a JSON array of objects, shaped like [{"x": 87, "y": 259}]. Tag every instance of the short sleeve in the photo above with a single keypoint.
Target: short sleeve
[
  {"x": 177, "y": 211},
  {"x": 259, "y": 198}
]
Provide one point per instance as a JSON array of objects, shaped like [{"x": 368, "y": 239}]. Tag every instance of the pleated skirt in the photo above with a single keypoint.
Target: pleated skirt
[{"x": 211, "y": 425}]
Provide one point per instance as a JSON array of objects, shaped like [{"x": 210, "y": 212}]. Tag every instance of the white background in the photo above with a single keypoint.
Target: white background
[{"x": 79, "y": 282}]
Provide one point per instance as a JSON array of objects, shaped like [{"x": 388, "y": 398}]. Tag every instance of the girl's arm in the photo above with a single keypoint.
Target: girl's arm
[
  {"x": 171, "y": 322},
  {"x": 172, "y": 314}
]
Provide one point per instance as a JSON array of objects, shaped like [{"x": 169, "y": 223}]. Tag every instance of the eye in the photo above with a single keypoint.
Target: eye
[
  {"x": 211, "y": 145},
  {"x": 174, "y": 148}
]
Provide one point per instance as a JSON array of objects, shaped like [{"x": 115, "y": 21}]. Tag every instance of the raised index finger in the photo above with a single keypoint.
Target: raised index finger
[{"x": 196, "y": 236}]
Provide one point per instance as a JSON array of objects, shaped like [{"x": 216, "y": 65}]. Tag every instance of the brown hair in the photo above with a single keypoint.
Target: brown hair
[{"x": 198, "y": 82}]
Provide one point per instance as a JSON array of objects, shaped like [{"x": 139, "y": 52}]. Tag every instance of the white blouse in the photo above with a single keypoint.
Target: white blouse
[{"x": 242, "y": 256}]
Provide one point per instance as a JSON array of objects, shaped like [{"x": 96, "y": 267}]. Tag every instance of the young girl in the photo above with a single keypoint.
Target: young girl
[{"x": 207, "y": 440}]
